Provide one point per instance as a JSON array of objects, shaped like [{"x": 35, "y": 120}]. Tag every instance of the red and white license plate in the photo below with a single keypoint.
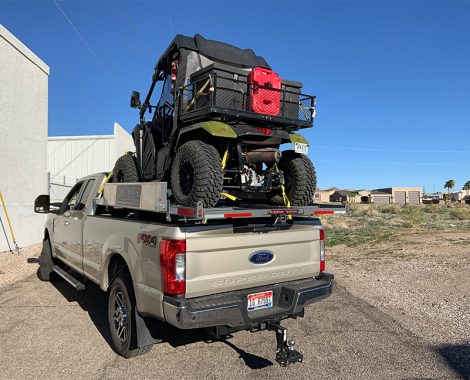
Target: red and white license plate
[{"x": 261, "y": 300}]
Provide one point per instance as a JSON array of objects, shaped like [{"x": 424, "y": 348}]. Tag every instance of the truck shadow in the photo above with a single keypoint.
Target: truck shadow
[
  {"x": 94, "y": 301},
  {"x": 457, "y": 357}
]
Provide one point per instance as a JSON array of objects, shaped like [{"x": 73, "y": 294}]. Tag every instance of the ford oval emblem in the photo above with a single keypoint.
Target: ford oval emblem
[{"x": 261, "y": 257}]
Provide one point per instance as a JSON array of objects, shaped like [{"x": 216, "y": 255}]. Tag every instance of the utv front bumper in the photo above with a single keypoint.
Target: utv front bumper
[{"x": 230, "y": 309}]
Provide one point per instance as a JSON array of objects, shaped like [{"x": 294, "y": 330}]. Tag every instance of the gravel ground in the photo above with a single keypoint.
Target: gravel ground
[
  {"x": 15, "y": 266},
  {"x": 422, "y": 280}
]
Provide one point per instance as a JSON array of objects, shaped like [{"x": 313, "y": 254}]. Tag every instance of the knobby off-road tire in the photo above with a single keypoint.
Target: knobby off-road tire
[
  {"x": 299, "y": 177},
  {"x": 121, "y": 309},
  {"x": 196, "y": 174},
  {"x": 125, "y": 170},
  {"x": 46, "y": 262}
]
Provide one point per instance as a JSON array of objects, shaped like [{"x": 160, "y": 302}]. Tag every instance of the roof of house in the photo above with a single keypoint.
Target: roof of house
[{"x": 377, "y": 192}]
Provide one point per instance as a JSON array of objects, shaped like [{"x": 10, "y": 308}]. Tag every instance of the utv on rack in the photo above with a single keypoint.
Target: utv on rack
[{"x": 216, "y": 130}]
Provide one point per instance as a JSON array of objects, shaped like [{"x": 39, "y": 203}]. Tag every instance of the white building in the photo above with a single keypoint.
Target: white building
[
  {"x": 23, "y": 138},
  {"x": 72, "y": 157}
]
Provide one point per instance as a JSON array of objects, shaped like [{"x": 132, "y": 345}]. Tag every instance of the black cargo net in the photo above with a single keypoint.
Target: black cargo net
[{"x": 236, "y": 94}]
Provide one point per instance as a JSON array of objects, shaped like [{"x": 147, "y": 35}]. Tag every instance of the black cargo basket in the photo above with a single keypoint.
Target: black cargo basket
[{"x": 220, "y": 90}]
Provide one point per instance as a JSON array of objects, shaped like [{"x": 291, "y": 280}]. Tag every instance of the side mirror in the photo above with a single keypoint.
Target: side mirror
[
  {"x": 42, "y": 204},
  {"x": 135, "y": 99}
]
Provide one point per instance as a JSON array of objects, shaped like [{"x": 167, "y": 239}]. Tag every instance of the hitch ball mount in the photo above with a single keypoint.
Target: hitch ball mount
[{"x": 286, "y": 352}]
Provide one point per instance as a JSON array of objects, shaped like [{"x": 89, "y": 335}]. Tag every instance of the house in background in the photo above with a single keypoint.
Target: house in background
[
  {"x": 433, "y": 198},
  {"x": 404, "y": 195},
  {"x": 380, "y": 197},
  {"x": 459, "y": 196},
  {"x": 323, "y": 196},
  {"x": 350, "y": 196}
]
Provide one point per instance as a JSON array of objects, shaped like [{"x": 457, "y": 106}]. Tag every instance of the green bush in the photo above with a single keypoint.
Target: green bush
[
  {"x": 390, "y": 209},
  {"x": 460, "y": 213}
]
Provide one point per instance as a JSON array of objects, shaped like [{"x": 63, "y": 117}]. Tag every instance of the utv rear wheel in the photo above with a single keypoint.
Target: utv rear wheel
[
  {"x": 196, "y": 174},
  {"x": 300, "y": 180},
  {"x": 125, "y": 169}
]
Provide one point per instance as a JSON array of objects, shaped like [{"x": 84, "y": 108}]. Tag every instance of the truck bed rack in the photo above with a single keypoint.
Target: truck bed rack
[{"x": 152, "y": 197}]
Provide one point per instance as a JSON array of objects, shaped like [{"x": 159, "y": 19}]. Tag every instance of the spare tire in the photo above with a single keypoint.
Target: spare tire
[
  {"x": 300, "y": 180},
  {"x": 196, "y": 174},
  {"x": 125, "y": 169}
]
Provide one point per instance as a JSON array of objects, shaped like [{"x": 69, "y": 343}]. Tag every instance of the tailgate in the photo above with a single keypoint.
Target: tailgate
[{"x": 218, "y": 256}]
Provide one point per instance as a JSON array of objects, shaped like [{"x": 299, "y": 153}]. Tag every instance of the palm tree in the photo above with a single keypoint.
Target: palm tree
[
  {"x": 466, "y": 187},
  {"x": 449, "y": 185}
]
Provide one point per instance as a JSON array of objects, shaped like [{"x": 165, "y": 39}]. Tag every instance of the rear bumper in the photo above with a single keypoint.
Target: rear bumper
[{"x": 230, "y": 309}]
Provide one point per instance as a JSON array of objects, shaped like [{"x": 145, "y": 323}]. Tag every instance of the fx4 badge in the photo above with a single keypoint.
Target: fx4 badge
[{"x": 148, "y": 240}]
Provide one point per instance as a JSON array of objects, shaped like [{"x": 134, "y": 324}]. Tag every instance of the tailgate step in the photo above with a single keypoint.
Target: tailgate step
[{"x": 69, "y": 278}]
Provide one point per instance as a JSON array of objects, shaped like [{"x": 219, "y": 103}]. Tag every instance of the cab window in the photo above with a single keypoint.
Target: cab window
[
  {"x": 71, "y": 199},
  {"x": 80, "y": 205}
]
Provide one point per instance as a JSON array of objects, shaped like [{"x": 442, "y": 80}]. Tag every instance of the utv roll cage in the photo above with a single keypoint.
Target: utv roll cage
[{"x": 212, "y": 82}]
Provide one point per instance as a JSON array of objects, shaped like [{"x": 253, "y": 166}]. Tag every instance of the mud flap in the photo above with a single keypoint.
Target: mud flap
[{"x": 143, "y": 335}]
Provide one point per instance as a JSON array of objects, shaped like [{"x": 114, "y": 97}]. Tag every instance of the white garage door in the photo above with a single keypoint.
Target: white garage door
[
  {"x": 400, "y": 197},
  {"x": 381, "y": 199},
  {"x": 413, "y": 197}
]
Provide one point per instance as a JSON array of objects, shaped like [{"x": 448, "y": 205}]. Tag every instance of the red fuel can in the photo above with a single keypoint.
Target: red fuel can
[{"x": 265, "y": 91}]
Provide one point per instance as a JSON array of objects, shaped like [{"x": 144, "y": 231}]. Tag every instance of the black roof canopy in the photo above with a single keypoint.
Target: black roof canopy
[{"x": 215, "y": 50}]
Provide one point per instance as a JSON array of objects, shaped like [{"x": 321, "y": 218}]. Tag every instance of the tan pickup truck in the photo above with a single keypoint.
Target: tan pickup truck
[{"x": 227, "y": 270}]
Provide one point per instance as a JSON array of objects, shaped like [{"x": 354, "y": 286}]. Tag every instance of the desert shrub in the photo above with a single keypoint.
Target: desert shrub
[
  {"x": 362, "y": 210},
  {"x": 389, "y": 209},
  {"x": 433, "y": 209},
  {"x": 460, "y": 213},
  {"x": 413, "y": 215}
]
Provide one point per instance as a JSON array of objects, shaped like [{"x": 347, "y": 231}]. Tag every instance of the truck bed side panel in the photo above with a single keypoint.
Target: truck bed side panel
[{"x": 104, "y": 237}]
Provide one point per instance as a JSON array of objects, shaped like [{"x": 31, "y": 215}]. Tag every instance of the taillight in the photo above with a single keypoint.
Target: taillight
[
  {"x": 173, "y": 264},
  {"x": 322, "y": 250}
]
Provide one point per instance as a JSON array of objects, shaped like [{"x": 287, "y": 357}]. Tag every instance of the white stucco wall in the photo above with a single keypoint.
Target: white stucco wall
[{"x": 23, "y": 137}]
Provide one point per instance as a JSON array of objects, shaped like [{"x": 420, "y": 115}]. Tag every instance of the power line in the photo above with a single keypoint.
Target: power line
[
  {"x": 88, "y": 46},
  {"x": 395, "y": 163},
  {"x": 130, "y": 26},
  {"x": 389, "y": 150}
]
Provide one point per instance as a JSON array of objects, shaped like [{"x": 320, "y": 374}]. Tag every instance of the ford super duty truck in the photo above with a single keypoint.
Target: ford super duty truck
[{"x": 225, "y": 269}]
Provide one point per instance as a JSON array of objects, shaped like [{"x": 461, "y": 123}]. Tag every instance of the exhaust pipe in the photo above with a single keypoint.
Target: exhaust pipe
[{"x": 263, "y": 156}]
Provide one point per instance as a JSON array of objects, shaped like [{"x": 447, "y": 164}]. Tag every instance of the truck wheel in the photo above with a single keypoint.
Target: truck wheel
[
  {"x": 46, "y": 262},
  {"x": 121, "y": 309},
  {"x": 299, "y": 177},
  {"x": 196, "y": 174},
  {"x": 125, "y": 170}
]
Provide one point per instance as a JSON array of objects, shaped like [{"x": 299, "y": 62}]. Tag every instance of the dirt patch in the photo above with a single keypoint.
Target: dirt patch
[
  {"x": 408, "y": 265},
  {"x": 16, "y": 266}
]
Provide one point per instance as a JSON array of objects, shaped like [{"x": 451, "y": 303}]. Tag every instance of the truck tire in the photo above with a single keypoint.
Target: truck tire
[
  {"x": 121, "y": 309},
  {"x": 125, "y": 170},
  {"x": 299, "y": 177},
  {"x": 46, "y": 262},
  {"x": 196, "y": 174}
]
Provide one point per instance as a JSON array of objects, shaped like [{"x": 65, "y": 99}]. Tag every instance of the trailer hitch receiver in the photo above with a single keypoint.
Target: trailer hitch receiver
[{"x": 285, "y": 352}]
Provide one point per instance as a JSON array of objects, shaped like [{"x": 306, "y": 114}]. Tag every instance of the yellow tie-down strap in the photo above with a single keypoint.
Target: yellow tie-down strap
[
  {"x": 286, "y": 200},
  {"x": 100, "y": 190},
  {"x": 224, "y": 163}
]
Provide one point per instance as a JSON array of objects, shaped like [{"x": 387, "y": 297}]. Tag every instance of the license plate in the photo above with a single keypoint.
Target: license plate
[
  {"x": 300, "y": 148},
  {"x": 258, "y": 301}
]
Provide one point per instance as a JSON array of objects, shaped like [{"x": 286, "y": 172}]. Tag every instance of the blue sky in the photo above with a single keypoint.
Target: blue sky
[{"x": 392, "y": 79}]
